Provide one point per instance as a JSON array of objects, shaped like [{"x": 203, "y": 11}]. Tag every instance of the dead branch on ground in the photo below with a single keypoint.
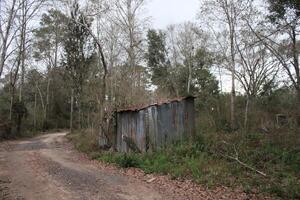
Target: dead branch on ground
[{"x": 236, "y": 158}]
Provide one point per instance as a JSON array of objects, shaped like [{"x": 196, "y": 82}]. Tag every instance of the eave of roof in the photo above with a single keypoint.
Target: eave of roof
[{"x": 144, "y": 106}]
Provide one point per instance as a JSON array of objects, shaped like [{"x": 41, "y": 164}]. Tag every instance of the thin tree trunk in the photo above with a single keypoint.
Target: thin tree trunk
[
  {"x": 189, "y": 78},
  {"x": 10, "y": 108},
  {"x": 34, "y": 117},
  {"x": 220, "y": 77},
  {"x": 13, "y": 80},
  {"x": 296, "y": 66},
  {"x": 42, "y": 100},
  {"x": 22, "y": 48},
  {"x": 56, "y": 52},
  {"x": 297, "y": 70},
  {"x": 104, "y": 79},
  {"x": 298, "y": 105},
  {"x": 6, "y": 35},
  {"x": 12, "y": 99},
  {"x": 79, "y": 113},
  {"x": 88, "y": 120},
  {"x": 232, "y": 99},
  {"x": 246, "y": 112},
  {"x": 298, "y": 97},
  {"x": 47, "y": 95},
  {"x": 22, "y": 81},
  {"x": 71, "y": 110},
  {"x": 232, "y": 102}
]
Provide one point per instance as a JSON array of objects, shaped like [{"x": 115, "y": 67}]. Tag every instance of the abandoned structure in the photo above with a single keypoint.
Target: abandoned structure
[{"x": 155, "y": 126}]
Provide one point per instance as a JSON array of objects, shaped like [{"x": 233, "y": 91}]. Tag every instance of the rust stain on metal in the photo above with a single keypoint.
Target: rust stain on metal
[
  {"x": 156, "y": 125},
  {"x": 143, "y": 106}
]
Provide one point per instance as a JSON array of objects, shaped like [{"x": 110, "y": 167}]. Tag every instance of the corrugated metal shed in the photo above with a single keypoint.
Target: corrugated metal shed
[{"x": 157, "y": 125}]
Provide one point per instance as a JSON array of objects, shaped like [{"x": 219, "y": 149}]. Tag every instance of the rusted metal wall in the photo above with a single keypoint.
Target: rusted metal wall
[{"x": 156, "y": 126}]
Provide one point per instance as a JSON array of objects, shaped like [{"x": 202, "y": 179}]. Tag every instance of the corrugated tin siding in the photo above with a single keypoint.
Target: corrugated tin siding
[{"x": 156, "y": 126}]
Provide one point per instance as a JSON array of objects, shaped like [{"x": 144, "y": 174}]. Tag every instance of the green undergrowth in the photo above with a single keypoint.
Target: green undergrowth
[{"x": 208, "y": 160}]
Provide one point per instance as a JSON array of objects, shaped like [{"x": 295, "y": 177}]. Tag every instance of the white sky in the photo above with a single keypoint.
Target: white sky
[{"x": 165, "y": 12}]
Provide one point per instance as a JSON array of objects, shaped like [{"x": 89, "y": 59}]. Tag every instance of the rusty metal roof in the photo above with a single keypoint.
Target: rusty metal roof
[{"x": 144, "y": 106}]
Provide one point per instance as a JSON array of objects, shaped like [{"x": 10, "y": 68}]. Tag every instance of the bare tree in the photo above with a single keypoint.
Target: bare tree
[
  {"x": 281, "y": 37},
  {"x": 189, "y": 40},
  {"x": 20, "y": 15},
  {"x": 226, "y": 14},
  {"x": 127, "y": 14},
  {"x": 13, "y": 77},
  {"x": 47, "y": 43},
  {"x": 28, "y": 10},
  {"x": 7, "y": 32},
  {"x": 171, "y": 40},
  {"x": 102, "y": 63},
  {"x": 256, "y": 68}
]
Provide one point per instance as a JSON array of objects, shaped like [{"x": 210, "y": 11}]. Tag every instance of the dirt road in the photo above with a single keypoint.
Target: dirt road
[{"x": 43, "y": 168}]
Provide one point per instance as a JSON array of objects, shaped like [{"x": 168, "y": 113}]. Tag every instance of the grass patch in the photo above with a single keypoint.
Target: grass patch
[{"x": 277, "y": 155}]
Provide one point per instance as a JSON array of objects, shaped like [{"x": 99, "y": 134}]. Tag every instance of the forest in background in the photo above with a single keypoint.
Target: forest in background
[
  {"x": 68, "y": 65},
  {"x": 72, "y": 64}
]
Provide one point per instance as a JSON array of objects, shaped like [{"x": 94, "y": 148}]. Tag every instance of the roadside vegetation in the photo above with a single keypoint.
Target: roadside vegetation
[{"x": 209, "y": 160}]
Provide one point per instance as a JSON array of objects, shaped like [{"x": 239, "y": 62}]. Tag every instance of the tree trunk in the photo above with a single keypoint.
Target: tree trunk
[
  {"x": 298, "y": 105},
  {"x": 103, "y": 86},
  {"x": 297, "y": 70},
  {"x": 79, "y": 114},
  {"x": 298, "y": 99},
  {"x": 47, "y": 95},
  {"x": 42, "y": 100},
  {"x": 34, "y": 117},
  {"x": 22, "y": 81},
  {"x": 232, "y": 99},
  {"x": 12, "y": 99},
  {"x": 88, "y": 120},
  {"x": 5, "y": 37},
  {"x": 71, "y": 110},
  {"x": 189, "y": 78},
  {"x": 22, "y": 48},
  {"x": 246, "y": 112},
  {"x": 10, "y": 108},
  {"x": 220, "y": 79},
  {"x": 13, "y": 80}
]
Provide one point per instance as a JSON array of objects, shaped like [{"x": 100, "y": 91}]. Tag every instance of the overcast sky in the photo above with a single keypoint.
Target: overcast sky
[{"x": 165, "y": 12}]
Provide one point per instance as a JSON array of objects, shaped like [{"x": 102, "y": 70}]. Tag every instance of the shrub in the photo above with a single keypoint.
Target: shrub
[
  {"x": 128, "y": 160},
  {"x": 5, "y": 130}
]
